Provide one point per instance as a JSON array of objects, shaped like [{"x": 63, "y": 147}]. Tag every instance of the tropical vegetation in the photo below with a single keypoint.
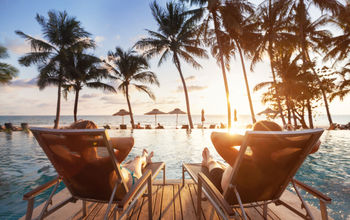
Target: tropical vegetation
[
  {"x": 309, "y": 64},
  {"x": 176, "y": 37},
  {"x": 132, "y": 70},
  {"x": 7, "y": 71},
  {"x": 62, "y": 35}
]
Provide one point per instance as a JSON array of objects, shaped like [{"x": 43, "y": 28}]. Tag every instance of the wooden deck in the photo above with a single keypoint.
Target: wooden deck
[{"x": 171, "y": 201}]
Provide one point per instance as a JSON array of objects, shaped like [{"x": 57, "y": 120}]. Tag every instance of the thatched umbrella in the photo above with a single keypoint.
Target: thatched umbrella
[
  {"x": 268, "y": 112},
  {"x": 177, "y": 111},
  {"x": 121, "y": 112},
  {"x": 155, "y": 112}
]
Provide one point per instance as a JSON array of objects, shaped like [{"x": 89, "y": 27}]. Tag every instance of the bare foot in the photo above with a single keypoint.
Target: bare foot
[
  {"x": 205, "y": 155},
  {"x": 149, "y": 158}
]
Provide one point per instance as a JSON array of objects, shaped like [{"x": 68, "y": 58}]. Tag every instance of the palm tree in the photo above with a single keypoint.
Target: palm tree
[
  {"x": 301, "y": 18},
  {"x": 7, "y": 72},
  {"x": 274, "y": 25},
  {"x": 344, "y": 86},
  {"x": 209, "y": 9},
  {"x": 84, "y": 70},
  {"x": 127, "y": 67},
  {"x": 340, "y": 45},
  {"x": 62, "y": 34},
  {"x": 176, "y": 36},
  {"x": 241, "y": 32}
]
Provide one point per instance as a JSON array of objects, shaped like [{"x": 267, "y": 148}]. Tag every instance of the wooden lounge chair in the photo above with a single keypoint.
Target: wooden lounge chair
[
  {"x": 122, "y": 126},
  {"x": 89, "y": 179},
  {"x": 261, "y": 179}
]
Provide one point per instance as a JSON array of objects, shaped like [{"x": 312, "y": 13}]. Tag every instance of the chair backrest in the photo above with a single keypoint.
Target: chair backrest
[
  {"x": 274, "y": 159},
  {"x": 74, "y": 155}
]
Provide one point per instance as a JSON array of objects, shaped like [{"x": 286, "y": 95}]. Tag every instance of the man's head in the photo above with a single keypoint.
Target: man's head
[
  {"x": 265, "y": 125},
  {"x": 83, "y": 124}
]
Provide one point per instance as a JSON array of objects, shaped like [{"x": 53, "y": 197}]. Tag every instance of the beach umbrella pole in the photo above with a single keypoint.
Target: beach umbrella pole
[{"x": 177, "y": 115}]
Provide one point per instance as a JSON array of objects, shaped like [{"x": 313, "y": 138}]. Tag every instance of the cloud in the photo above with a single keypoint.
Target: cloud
[
  {"x": 112, "y": 100},
  {"x": 99, "y": 39},
  {"x": 117, "y": 37},
  {"x": 190, "y": 78},
  {"x": 17, "y": 46},
  {"x": 167, "y": 100},
  {"x": 88, "y": 96},
  {"x": 191, "y": 88},
  {"x": 24, "y": 83}
]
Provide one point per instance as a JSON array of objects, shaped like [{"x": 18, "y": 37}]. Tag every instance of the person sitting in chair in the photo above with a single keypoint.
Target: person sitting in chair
[
  {"x": 132, "y": 169},
  {"x": 224, "y": 144}
]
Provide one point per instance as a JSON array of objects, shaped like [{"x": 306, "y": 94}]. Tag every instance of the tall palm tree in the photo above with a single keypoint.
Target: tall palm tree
[
  {"x": 343, "y": 89},
  {"x": 62, "y": 34},
  {"x": 7, "y": 72},
  {"x": 301, "y": 15},
  {"x": 274, "y": 24},
  {"x": 241, "y": 30},
  {"x": 209, "y": 10},
  {"x": 129, "y": 67},
  {"x": 340, "y": 45},
  {"x": 176, "y": 36},
  {"x": 84, "y": 70}
]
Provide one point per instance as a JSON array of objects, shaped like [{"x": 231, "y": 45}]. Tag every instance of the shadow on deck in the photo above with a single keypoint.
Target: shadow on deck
[{"x": 170, "y": 201}]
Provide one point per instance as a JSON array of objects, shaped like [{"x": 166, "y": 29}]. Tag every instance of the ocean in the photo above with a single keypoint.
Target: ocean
[{"x": 168, "y": 121}]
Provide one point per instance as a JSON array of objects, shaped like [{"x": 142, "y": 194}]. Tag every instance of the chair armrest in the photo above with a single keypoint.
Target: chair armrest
[
  {"x": 312, "y": 191},
  {"x": 138, "y": 185},
  {"x": 40, "y": 189},
  {"x": 215, "y": 193}
]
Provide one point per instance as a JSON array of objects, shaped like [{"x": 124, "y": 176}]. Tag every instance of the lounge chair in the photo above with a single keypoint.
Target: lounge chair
[
  {"x": 185, "y": 127},
  {"x": 260, "y": 180},
  {"x": 213, "y": 126},
  {"x": 122, "y": 126},
  {"x": 148, "y": 126},
  {"x": 89, "y": 180}
]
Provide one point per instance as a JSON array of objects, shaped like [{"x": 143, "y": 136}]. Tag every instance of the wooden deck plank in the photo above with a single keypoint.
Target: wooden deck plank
[
  {"x": 168, "y": 202},
  {"x": 158, "y": 203},
  {"x": 177, "y": 203},
  {"x": 171, "y": 201},
  {"x": 143, "y": 210},
  {"x": 188, "y": 211}
]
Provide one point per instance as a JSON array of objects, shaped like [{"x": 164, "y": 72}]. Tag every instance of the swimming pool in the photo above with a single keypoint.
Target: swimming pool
[{"x": 23, "y": 165}]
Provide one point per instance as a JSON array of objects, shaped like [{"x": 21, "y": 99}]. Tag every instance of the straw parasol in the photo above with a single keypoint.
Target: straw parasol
[
  {"x": 121, "y": 112},
  {"x": 177, "y": 111},
  {"x": 267, "y": 111},
  {"x": 155, "y": 112}
]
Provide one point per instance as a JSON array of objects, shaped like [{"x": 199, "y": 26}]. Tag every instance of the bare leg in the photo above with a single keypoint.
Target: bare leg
[
  {"x": 208, "y": 160},
  {"x": 137, "y": 164}
]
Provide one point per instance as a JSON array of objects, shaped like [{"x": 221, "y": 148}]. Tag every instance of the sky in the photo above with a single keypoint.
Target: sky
[{"x": 121, "y": 23}]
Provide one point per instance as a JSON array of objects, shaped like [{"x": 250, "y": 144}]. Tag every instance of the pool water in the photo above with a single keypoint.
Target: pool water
[{"x": 24, "y": 166}]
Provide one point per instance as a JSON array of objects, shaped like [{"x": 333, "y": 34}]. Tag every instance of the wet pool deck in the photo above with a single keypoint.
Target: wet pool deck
[{"x": 172, "y": 201}]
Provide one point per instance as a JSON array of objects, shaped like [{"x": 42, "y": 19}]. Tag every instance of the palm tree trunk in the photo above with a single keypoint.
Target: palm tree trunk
[
  {"x": 129, "y": 105},
  {"x": 58, "y": 107},
  {"x": 76, "y": 104},
  {"x": 246, "y": 83},
  {"x": 272, "y": 70},
  {"x": 275, "y": 83},
  {"x": 178, "y": 66},
  {"x": 309, "y": 112},
  {"x": 216, "y": 27}
]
